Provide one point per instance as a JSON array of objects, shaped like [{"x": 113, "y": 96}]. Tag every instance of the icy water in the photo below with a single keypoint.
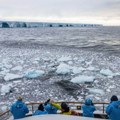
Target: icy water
[{"x": 65, "y": 55}]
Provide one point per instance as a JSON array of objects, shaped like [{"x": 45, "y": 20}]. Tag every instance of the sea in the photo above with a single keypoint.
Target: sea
[
  {"x": 100, "y": 39},
  {"x": 81, "y": 51}
]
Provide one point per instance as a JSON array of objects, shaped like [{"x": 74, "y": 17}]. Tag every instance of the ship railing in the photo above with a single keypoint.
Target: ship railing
[{"x": 100, "y": 106}]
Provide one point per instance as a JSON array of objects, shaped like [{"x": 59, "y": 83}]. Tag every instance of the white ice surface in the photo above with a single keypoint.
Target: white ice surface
[
  {"x": 63, "y": 69},
  {"x": 34, "y": 73},
  {"x": 96, "y": 91},
  {"x": 83, "y": 79},
  {"x": 11, "y": 76},
  {"x": 5, "y": 89},
  {"x": 4, "y": 108},
  {"x": 77, "y": 70},
  {"x": 18, "y": 68},
  {"x": 64, "y": 58},
  {"x": 107, "y": 72}
]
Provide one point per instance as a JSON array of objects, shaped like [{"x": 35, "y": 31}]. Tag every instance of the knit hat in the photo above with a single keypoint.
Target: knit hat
[
  {"x": 20, "y": 98},
  {"x": 114, "y": 98}
]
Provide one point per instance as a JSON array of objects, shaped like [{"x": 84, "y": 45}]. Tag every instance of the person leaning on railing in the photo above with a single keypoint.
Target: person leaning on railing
[
  {"x": 40, "y": 111},
  {"x": 49, "y": 108},
  {"x": 88, "y": 108},
  {"x": 19, "y": 109},
  {"x": 113, "y": 109},
  {"x": 64, "y": 108}
]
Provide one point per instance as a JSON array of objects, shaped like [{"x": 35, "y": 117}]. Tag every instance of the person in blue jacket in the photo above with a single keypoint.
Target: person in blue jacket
[
  {"x": 40, "y": 110},
  {"x": 88, "y": 108},
  {"x": 113, "y": 109},
  {"x": 49, "y": 108},
  {"x": 19, "y": 109}
]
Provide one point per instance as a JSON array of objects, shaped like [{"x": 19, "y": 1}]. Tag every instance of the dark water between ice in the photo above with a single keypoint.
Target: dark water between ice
[{"x": 103, "y": 39}]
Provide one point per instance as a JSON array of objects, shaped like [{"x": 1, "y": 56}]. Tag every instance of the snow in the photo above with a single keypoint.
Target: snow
[
  {"x": 83, "y": 79},
  {"x": 58, "y": 117},
  {"x": 34, "y": 74},
  {"x": 11, "y": 76},
  {"x": 5, "y": 89},
  {"x": 63, "y": 69}
]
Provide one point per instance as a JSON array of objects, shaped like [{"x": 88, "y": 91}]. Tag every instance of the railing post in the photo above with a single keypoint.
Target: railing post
[
  {"x": 32, "y": 108},
  {"x": 103, "y": 108}
]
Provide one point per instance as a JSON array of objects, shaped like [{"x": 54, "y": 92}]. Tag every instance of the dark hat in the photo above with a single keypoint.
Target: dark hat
[
  {"x": 46, "y": 102},
  {"x": 41, "y": 107},
  {"x": 114, "y": 98},
  {"x": 65, "y": 107}
]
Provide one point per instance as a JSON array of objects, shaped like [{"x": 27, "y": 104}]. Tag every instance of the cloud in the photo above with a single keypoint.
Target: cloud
[{"x": 61, "y": 10}]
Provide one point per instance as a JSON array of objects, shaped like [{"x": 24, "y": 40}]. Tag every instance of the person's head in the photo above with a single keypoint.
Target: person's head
[
  {"x": 88, "y": 101},
  {"x": 41, "y": 107},
  {"x": 114, "y": 98},
  {"x": 19, "y": 98},
  {"x": 65, "y": 107}
]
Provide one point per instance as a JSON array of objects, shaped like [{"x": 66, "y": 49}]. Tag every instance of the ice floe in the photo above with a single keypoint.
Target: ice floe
[
  {"x": 107, "y": 72},
  {"x": 11, "y": 76},
  {"x": 96, "y": 91},
  {"x": 4, "y": 71},
  {"x": 77, "y": 70},
  {"x": 6, "y": 89},
  {"x": 34, "y": 73},
  {"x": 64, "y": 58},
  {"x": 17, "y": 68},
  {"x": 91, "y": 68},
  {"x": 83, "y": 79},
  {"x": 63, "y": 69},
  {"x": 4, "y": 108}
]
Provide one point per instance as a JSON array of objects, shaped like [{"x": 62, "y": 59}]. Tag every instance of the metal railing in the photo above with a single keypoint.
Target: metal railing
[{"x": 31, "y": 106}]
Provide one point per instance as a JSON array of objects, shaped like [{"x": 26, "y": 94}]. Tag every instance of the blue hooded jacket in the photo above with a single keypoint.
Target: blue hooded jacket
[
  {"x": 39, "y": 112},
  {"x": 88, "y": 108},
  {"x": 19, "y": 109},
  {"x": 113, "y": 110},
  {"x": 50, "y": 109}
]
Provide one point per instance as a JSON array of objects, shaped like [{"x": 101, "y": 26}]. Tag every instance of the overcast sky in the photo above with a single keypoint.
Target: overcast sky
[{"x": 105, "y": 12}]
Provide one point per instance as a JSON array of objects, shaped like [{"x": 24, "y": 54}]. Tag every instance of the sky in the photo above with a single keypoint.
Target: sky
[{"x": 106, "y": 12}]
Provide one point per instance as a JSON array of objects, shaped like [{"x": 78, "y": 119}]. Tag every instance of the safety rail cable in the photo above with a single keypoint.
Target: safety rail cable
[{"x": 78, "y": 103}]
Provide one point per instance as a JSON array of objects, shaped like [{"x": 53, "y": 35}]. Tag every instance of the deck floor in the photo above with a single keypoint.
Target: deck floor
[{"x": 59, "y": 117}]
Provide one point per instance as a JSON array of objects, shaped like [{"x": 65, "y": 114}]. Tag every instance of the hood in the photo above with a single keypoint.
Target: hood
[{"x": 88, "y": 101}]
